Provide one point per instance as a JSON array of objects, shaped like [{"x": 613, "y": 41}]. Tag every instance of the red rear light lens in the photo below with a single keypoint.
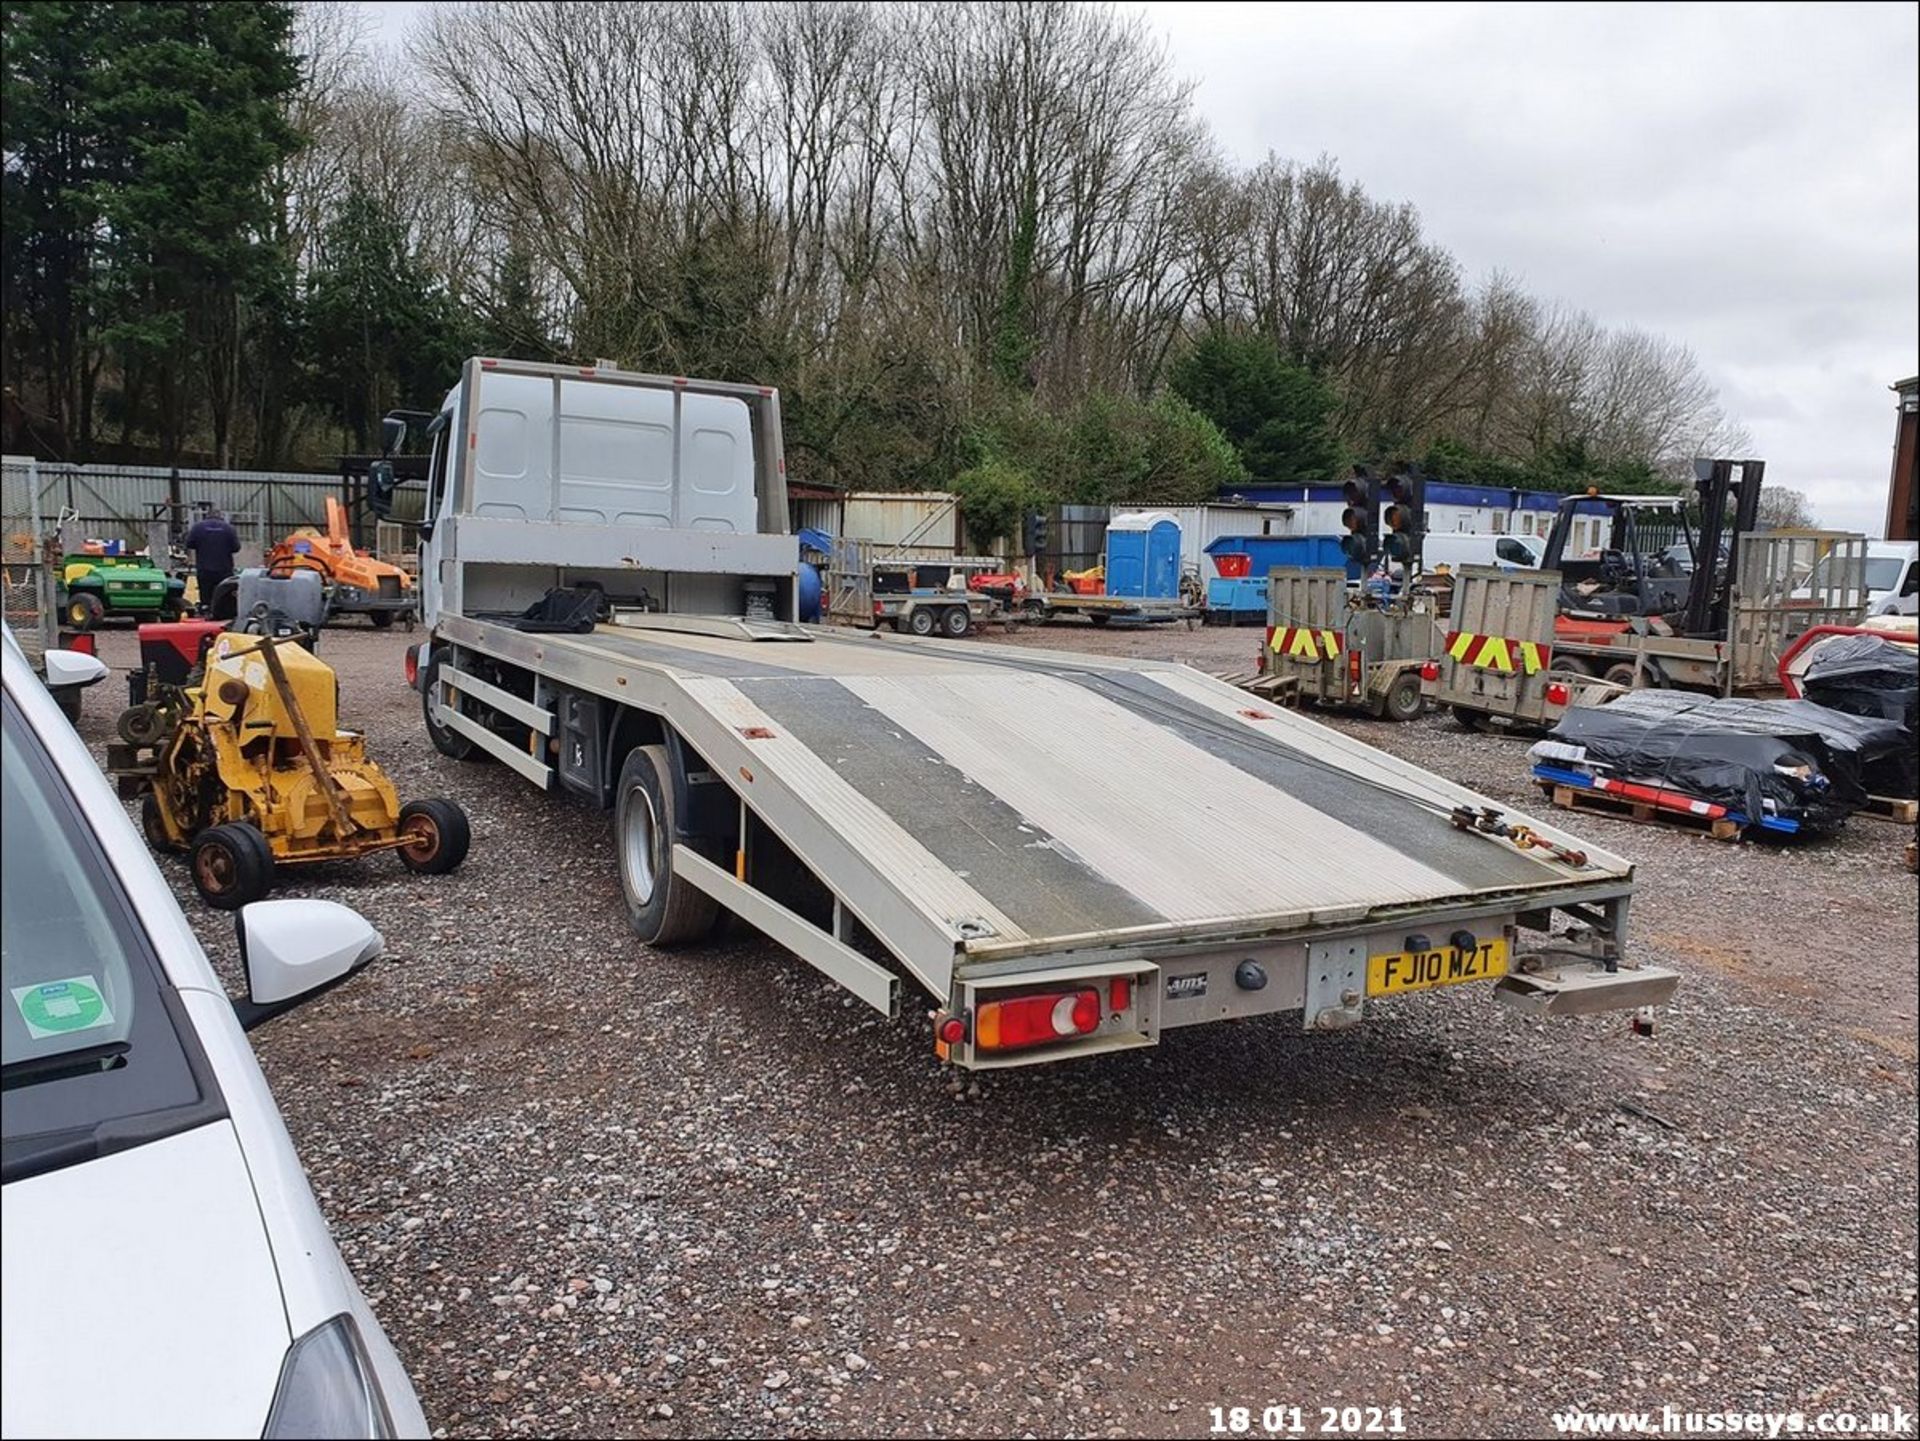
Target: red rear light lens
[
  {"x": 1120, "y": 992},
  {"x": 1036, "y": 1020},
  {"x": 879, "y": 608},
  {"x": 953, "y": 1030},
  {"x": 1430, "y": 671},
  {"x": 413, "y": 666},
  {"x": 1557, "y": 694}
]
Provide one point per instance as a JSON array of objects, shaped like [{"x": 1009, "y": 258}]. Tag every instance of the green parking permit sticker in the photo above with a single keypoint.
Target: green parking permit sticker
[{"x": 58, "y": 1007}]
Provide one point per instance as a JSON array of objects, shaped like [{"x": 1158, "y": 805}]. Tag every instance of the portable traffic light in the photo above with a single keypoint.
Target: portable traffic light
[
  {"x": 1034, "y": 533},
  {"x": 1360, "y": 516},
  {"x": 1406, "y": 516}
]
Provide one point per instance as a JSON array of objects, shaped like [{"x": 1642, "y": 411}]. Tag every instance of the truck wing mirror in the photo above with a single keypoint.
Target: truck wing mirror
[
  {"x": 381, "y": 483},
  {"x": 394, "y": 431}
]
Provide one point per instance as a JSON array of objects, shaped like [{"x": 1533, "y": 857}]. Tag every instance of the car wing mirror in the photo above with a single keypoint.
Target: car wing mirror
[
  {"x": 293, "y": 951},
  {"x": 72, "y": 668}
]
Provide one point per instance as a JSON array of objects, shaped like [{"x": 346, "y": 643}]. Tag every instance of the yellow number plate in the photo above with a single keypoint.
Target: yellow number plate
[{"x": 1444, "y": 966}]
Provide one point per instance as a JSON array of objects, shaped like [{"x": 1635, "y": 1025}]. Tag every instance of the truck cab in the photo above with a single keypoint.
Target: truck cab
[{"x": 669, "y": 499}]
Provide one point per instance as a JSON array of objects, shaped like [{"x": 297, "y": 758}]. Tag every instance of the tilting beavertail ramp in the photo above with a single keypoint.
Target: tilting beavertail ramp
[{"x": 1026, "y": 802}]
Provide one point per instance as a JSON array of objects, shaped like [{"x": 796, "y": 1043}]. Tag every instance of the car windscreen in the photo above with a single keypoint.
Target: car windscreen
[
  {"x": 1832, "y": 572},
  {"x": 1883, "y": 571},
  {"x": 97, "y": 1052}
]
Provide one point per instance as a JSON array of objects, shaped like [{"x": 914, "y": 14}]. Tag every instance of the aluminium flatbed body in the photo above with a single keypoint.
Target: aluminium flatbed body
[{"x": 998, "y": 817}]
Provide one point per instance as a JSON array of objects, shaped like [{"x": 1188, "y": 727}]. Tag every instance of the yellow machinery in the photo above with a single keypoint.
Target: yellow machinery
[{"x": 250, "y": 771}]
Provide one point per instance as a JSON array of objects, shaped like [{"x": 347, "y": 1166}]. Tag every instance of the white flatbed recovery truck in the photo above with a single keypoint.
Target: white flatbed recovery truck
[{"x": 1069, "y": 854}]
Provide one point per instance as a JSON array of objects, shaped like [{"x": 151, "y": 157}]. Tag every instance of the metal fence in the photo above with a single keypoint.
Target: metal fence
[
  {"x": 119, "y": 502},
  {"x": 28, "y": 575}
]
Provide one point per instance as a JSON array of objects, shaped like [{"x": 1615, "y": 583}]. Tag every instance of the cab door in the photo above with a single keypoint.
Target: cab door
[{"x": 434, "y": 517}]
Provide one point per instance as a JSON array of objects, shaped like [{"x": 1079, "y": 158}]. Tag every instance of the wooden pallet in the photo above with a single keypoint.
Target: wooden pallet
[
  {"x": 1600, "y": 803},
  {"x": 1888, "y": 808}
]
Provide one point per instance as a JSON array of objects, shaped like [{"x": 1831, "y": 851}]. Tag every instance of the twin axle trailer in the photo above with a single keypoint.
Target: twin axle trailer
[{"x": 1066, "y": 854}]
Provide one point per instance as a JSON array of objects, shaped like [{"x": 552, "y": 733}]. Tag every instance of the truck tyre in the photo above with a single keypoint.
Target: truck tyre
[
  {"x": 957, "y": 621},
  {"x": 448, "y": 741},
  {"x": 662, "y": 909},
  {"x": 381, "y": 618},
  {"x": 1468, "y": 719},
  {"x": 1620, "y": 674},
  {"x": 84, "y": 611},
  {"x": 921, "y": 620},
  {"x": 232, "y": 866},
  {"x": 1100, "y": 618},
  {"x": 437, "y": 836},
  {"x": 1403, "y": 699},
  {"x": 1573, "y": 665}
]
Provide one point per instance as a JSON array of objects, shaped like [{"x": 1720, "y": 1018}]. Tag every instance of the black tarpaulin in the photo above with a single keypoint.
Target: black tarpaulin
[{"x": 1790, "y": 758}]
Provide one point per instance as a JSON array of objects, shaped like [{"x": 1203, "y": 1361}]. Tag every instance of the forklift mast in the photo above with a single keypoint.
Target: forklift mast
[{"x": 1713, "y": 580}]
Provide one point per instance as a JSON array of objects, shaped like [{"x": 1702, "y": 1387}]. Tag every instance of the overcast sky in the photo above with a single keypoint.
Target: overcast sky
[{"x": 1744, "y": 179}]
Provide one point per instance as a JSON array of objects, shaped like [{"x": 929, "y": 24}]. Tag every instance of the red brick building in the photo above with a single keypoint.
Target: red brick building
[{"x": 1903, "y": 494}]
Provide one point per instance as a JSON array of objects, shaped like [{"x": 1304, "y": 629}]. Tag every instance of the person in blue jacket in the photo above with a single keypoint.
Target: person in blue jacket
[{"x": 214, "y": 543}]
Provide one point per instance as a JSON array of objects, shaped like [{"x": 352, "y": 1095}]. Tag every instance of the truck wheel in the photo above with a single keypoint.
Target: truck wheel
[
  {"x": 381, "y": 618},
  {"x": 448, "y": 741},
  {"x": 437, "y": 836},
  {"x": 662, "y": 909},
  {"x": 957, "y": 621},
  {"x": 921, "y": 621},
  {"x": 1404, "y": 701},
  {"x": 1468, "y": 719},
  {"x": 84, "y": 611},
  {"x": 1621, "y": 674},
  {"x": 1573, "y": 665},
  {"x": 232, "y": 866},
  {"x": 1099, "y": 618}
]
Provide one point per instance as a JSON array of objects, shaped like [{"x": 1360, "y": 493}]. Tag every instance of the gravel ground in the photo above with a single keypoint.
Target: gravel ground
[{"x": 593, "y": 1190}]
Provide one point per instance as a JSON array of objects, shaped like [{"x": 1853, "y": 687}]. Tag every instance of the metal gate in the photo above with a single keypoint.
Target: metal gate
[{"x": 1786, "y": 585}]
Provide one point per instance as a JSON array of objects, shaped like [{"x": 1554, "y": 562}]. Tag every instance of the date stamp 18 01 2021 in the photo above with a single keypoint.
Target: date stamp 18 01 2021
[{"x": 1289, "y": 1420}]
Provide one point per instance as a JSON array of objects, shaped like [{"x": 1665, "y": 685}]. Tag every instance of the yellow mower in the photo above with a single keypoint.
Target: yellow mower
[{"x": 250, "y": 773}]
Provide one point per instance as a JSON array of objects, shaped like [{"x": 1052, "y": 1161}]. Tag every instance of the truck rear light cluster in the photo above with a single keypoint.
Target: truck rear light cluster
[
  {"x": 1430, "y": 672},
  {"x": 1036, "y": 1020},
  {"x": 1557, "y": 694}
]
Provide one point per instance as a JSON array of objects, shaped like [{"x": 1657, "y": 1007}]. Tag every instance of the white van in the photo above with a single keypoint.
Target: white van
[
  {"x": 1455, "y": 549},
  {"x": 1893, "y": 577}
]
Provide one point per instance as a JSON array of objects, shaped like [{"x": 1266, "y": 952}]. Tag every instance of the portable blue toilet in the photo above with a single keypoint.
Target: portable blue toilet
[{"x": 1143, "y": 556}]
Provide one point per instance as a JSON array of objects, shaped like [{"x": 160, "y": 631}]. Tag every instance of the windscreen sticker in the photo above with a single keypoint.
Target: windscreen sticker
[{"x": 61, "y": 1007}]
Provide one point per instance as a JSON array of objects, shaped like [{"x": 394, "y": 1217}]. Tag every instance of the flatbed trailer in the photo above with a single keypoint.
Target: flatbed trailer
[
  {"x": 1067, "y": 854},
  {"x": 1041, "y": 607}
]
